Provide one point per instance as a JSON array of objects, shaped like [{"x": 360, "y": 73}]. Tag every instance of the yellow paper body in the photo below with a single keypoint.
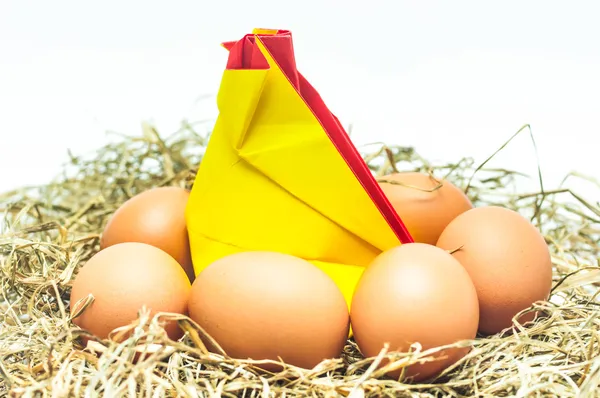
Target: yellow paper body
[{"x": 272, "y": 180}]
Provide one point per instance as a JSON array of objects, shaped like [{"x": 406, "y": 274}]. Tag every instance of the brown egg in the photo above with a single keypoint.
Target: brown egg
[
  {"x": 155, "y": 217},
  {"x": 424, "y": 211},
  {"x": 124, "y": 277},
  {"x": 265, "y": 305},
  {"x": 507, "y": 259},
  {"x": 415, "y": 293}
]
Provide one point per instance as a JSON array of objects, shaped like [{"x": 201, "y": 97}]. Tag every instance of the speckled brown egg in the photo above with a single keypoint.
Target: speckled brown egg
[
  {"x": 266, "y": 305},
  {"x": 415, "y": 293},
  {"x": 123, "y": 278},
  {"x": 155, "y": 217},
  {"x": 425, "y": 205},
  {"x": 507, "y": 259}
]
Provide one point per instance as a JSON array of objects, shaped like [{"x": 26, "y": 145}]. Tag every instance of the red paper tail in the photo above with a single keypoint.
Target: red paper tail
[{"x": 245, "y": 54}]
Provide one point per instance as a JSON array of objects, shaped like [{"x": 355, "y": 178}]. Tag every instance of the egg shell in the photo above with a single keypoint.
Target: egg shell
[
  {"x": 424, "y": 211},
  {"x": 507, "y": 259},
  {"x": 155, "y": 217},
  {"x": 415, "y": 293},
  {"x": 124, "y": 277},
  {"x": 265, "y": 305}
]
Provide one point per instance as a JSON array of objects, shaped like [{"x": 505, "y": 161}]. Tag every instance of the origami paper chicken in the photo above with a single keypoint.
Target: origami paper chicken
[{"x": 281, "y": 174}]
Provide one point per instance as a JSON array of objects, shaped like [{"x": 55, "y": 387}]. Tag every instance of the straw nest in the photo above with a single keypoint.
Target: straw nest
[{"x": 49, "y": 231}]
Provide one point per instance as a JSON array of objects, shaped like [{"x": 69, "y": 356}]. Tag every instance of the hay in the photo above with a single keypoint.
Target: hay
[{"x": 50, "y": 231}]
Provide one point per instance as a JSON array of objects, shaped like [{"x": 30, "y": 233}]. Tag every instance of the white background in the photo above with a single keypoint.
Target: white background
[{"x": 453, "y": 78}]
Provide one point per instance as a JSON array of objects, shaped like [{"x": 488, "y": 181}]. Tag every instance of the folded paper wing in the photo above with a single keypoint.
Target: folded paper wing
[{"x": 281, "y": 174}]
